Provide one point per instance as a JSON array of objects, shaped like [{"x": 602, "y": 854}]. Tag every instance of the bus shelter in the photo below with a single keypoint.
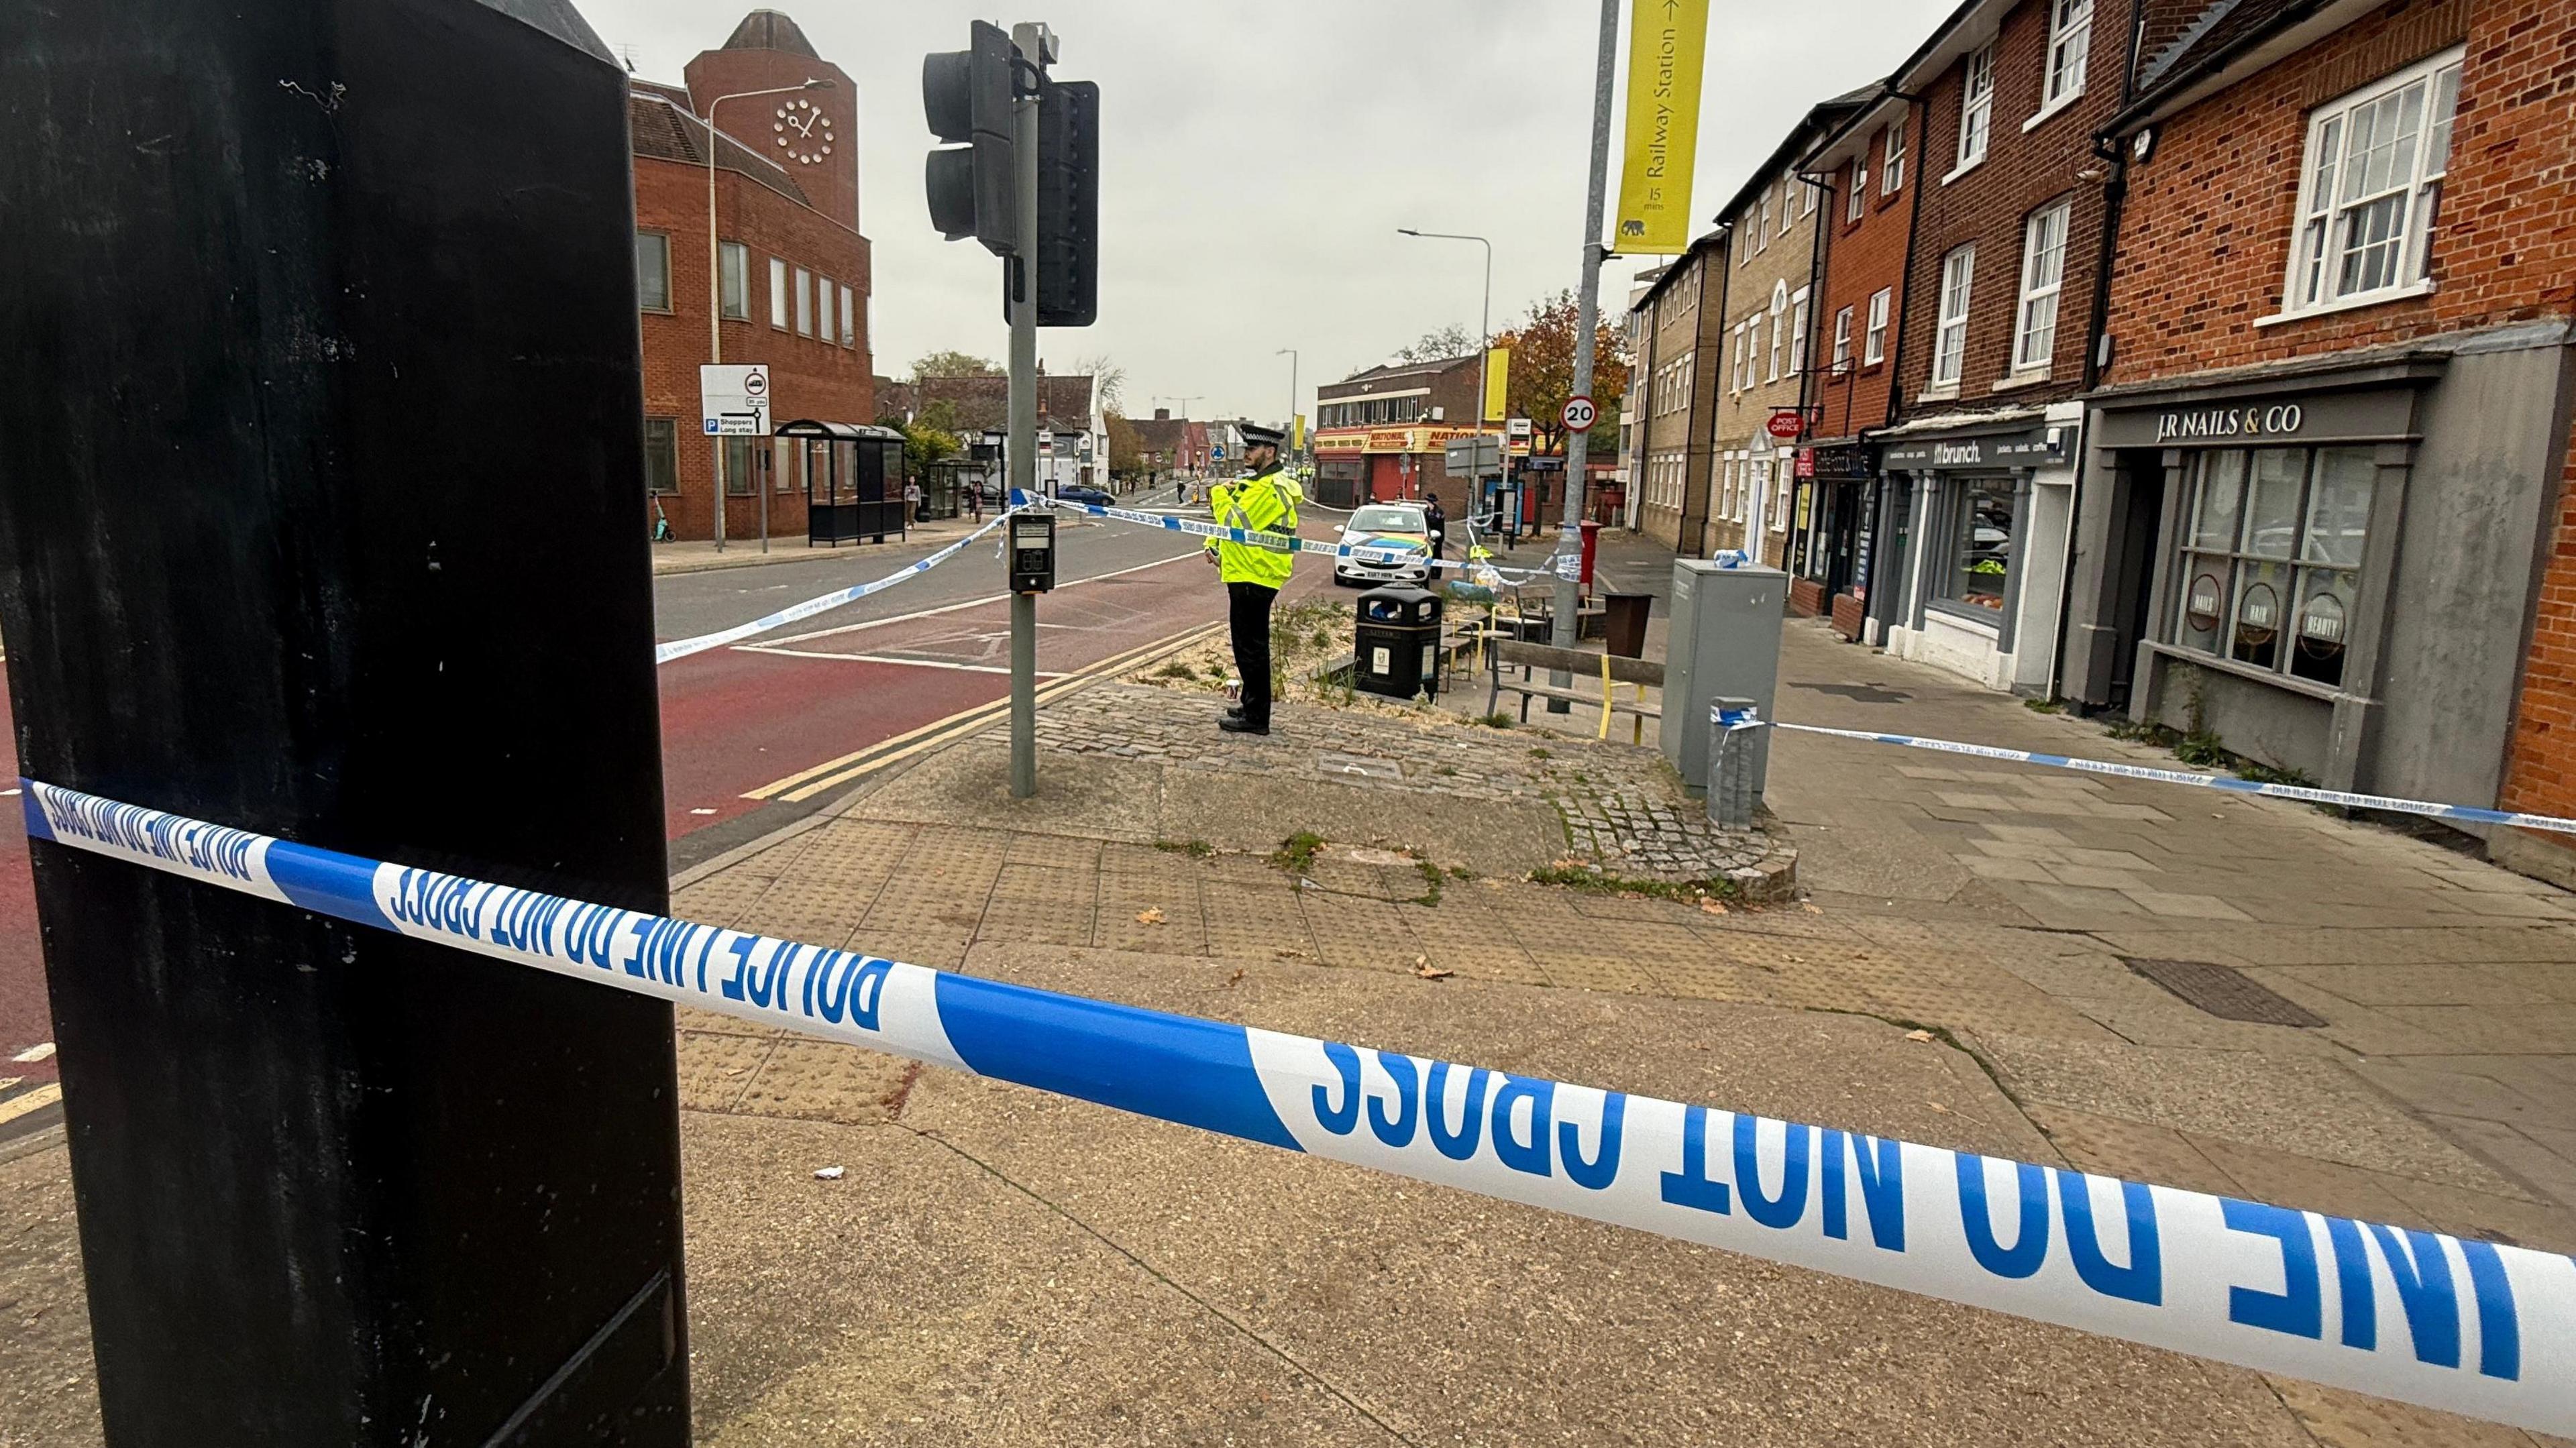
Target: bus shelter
[{"x": 853, "y": 480}]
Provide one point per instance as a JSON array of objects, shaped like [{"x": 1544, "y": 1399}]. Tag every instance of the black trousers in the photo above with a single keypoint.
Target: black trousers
[{"x": 1248, "y": 616}]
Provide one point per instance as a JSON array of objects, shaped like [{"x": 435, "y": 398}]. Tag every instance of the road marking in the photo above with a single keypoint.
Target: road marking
[
  {"x": 36, "y": 1100},
  {"x": 822, "y": 633},
  {"x": 831, "y": 774},
  {"x": 36, "y": 1052},
  {"x": 888, "y": 659}
]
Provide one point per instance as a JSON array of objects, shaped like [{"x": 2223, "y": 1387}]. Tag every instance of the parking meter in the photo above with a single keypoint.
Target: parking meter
[{"x": 1033, "y": 553}]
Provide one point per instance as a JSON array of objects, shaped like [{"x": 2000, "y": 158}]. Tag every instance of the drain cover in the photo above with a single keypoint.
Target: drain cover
[{"x": 2224, "y": 992}]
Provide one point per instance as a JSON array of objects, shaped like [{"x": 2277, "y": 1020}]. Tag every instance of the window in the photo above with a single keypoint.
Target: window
[
  {"x": 823, "y": 309},
  {"x": 1762, "y": 224},
  {"x": 733, "y": 297},
  {"x": 1798, "y": 333},
  {"x": 1842, "y": 339},
  {"x": 1950, "y": 340},
  {"x": 1783, "y": 474},
  {"x": 1788, "y": 202},
  {"x": 1977, "y": 108},
  {"x": 1859, "y": 187},
  {"x": 1874, "y": 346},
  {"x": 1779, "y": 321},
  {"x": 1757, "y": 481},
  {"x": 2043, "y": 268},
  {"x": 652, "y": 271},
  {"x": 1892, "y": 175},
  {"x": 2070, "y": 44},
  {"x": 2375, "y": 162},
  {"x": 804, "y": 302},
  {"x": 2271, "y": 559},
  {"x": 1978, "y": 556},
  {"x": 740, "y": 469},
  {"x": 848, "y": 337},
  {"x": 778, "y": 294},
  {"x": 662, "y": 455},
  {"x": 1807, "y": 200}
]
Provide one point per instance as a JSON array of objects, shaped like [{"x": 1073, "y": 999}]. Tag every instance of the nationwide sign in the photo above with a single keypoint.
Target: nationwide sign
[{"x": 1401, "y": 439}]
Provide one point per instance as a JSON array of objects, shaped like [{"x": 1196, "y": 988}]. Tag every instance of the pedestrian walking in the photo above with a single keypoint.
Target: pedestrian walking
[
  {"x": 912, "y": 499},
  {"x": 1263, "y": 502},
  {"x": 975, "y": 501}
]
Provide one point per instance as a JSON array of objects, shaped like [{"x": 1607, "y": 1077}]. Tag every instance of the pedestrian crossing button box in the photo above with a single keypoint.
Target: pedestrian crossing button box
[
  {"x": 1396, "y": 642},
  {"x": 1032, "y": 553}
]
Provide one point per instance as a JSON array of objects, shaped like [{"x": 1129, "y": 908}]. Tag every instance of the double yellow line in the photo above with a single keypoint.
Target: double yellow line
[{"x": 833, "y": 773}]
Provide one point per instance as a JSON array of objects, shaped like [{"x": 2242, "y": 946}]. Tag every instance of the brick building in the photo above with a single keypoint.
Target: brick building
[
  {"x": 1678, "y": 331},
  {"x": 1383, "y": 432},
  {"x": 2327, "y": 512},
  {"x": 1765, "y": 320},
  {"x": 1977, "y": 475},
  {"x": 792, "y": 268},
  {"x": 1866, "y": 167}
]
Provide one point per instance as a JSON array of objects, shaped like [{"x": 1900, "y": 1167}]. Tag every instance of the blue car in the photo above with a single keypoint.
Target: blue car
[{"x": 1085, "y": 493}]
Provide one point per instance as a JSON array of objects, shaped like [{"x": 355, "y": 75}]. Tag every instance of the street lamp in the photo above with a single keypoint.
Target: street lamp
[
  {"x": 1484, "y": 322},
  {"x": 715, "y": 289},
  {"x": 1291, "y": 354}
]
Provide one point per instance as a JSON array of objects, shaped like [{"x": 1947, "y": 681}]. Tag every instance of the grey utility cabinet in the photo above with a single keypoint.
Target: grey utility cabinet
[{"x": 1724, "y": 644}]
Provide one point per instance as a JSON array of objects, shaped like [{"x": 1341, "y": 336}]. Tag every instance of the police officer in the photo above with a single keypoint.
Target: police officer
[{"x": 1263, "y": 501}]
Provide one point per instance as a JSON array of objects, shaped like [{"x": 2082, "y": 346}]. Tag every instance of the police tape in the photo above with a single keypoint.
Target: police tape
[
  {"x": 1249, "y": 537},
  {"x": 825, "y": 603},
  {"x": 2227, "y": 782},
  {"x": 2445, "y": 1322}
]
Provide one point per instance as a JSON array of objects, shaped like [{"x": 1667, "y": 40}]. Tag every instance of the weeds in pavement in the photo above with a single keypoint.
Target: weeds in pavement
[
  {"x": 1593, "y": 880},
  {"x": 1496, "y": 720},
  {"x": 1296, "y": 854},
  {"x": 2201, "y": 750},
  {"x": 1195, "y": 849},
  {"x": 1431, "y": 878},
  {"x": 1176, "y": 670},
  {"x": 2044, "y": 706}
]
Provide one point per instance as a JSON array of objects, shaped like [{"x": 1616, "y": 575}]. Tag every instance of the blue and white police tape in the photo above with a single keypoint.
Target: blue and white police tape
[
  {"x": 2227, "y": 782},
  {"x": 796, "y": 613},
  {"x": 2446, "y": 1322},
  {"x": 1249, "y": 537}
]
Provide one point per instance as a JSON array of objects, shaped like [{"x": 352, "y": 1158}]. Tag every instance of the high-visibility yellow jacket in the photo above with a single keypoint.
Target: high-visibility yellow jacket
[{"x": 1264, "y": 503}]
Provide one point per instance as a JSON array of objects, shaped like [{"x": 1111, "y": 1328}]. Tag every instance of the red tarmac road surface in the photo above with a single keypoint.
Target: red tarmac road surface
[{"x": 25, "y": 1019}]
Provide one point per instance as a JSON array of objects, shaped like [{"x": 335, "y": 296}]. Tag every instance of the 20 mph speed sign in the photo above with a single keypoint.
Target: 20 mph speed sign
[{"x": 1580, "y": 414}]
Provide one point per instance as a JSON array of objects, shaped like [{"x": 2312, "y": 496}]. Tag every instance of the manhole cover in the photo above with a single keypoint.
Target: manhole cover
[
  {"x": 1359, "y": 766},
  {"x": 1858, "y": 693},
  {"x": 2223, "y": 992}
]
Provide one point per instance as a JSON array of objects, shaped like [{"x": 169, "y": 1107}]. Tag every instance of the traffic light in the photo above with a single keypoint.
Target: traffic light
[
  {"x": 966, "y": 94},
  {"x": 1068, "y": 204}
]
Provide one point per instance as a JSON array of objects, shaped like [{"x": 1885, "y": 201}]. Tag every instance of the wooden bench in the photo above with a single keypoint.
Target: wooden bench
[{"x": 1610, "y": 669}]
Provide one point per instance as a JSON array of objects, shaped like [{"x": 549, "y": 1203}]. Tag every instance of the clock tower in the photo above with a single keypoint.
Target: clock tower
[{"x": 814, "y": 135}]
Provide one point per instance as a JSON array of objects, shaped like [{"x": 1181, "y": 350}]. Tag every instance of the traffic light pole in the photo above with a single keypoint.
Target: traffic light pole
[
  {"x": 1023, "y": 446},
  {"x": 1569, "y": 537}
]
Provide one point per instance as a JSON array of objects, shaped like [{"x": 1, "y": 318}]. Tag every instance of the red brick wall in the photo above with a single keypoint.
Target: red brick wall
[
  {"x": 2540, "y": 762},
  {"x": 1990, "y": 204},
  {"x": 1861, "y": 257},
  {"x": 808, "y": 377},
  {"x": 2205, "y": 243},
  {"x": 832, "y": 183}
]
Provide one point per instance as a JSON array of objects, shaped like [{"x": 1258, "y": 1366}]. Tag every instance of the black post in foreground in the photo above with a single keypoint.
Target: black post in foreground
[{"x": 320, "y": 514}]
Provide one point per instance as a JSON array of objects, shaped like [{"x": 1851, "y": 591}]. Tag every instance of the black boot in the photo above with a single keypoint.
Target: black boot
[{"x": 1237, "y": 724}]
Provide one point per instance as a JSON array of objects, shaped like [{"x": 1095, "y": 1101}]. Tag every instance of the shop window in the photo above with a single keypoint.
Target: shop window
[
  {"x": 2070, "y": 45},
  {"x": 1979, "y": 544},
  {"x": 2271, "y": 558},
  {"x": 2372, "y": 185},
  {"x": 1950, "y": 339},
  {"x": 652, "y": 271},
  {"x": 2043, "y": 273},
  {"x": 734, "y": 290},
  {"x": 1977, "y": 108},
  {"x": 662, "y": 455}
]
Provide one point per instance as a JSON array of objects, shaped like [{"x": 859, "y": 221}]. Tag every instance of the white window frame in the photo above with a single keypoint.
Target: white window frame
[
  {"x": 1762, "y": 223},
  {"x": 1842, "y": 339},
  {"x": 2043, "y": 278},
  {"x": 2070, "y": 53},
  {"x": 848, "y": 337},
  {"x": 1859, "y": 189},
  {"x": 1976, "y": 109},
  {"x": 804, "y": 302},
  {"x": 1874, "y": 342},
  {"x": 1950, "y": 335},
  {"x": 2320, "y": 248},
  {"x": 1891, "y": 174},
  {"x": 823, "y": 311},
  {"x": 778, "y": 293},
  {"x": 1798, "y": 332},
  {"x": 733, "y": 289},
  {"x": 1783, "y": 476},
  {"x": 1779, "y": 321}
]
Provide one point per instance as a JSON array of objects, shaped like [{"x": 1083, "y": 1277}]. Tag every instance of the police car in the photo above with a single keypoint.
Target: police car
[{"x": 1396, "y": 526}]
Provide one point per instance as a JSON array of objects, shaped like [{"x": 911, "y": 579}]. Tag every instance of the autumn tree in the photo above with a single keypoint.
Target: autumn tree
[
  {"x": 1126, "y": 449},
  {"x": 953, "y": 364},
  {"x": 1542, "y": 366}
]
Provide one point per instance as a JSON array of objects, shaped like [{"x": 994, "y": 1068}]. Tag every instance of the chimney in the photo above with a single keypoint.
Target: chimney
[{"x": 1162, "y": 414}]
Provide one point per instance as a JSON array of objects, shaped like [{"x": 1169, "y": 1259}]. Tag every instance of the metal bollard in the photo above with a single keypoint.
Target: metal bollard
[{"x": 1732, "y": 723}]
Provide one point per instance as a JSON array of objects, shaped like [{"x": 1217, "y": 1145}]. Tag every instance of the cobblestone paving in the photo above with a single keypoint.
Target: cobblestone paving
[{"x": 1623, "y": 810}]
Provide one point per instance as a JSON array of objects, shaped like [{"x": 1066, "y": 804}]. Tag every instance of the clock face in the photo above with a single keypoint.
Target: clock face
[{"x": 803, "y": 134}]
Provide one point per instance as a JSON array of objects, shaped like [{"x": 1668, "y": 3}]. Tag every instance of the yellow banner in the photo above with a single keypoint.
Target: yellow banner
[
  {"x": 1667, "y": 48},
  {"x": 1498, "y": 382},
  {"x": 1297, "y": 433}
]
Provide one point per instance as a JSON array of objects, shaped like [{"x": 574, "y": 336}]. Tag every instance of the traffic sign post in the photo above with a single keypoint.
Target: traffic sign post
[
  {"x": 733, "y": 400},
  {"x": 1580, "y": 414}
]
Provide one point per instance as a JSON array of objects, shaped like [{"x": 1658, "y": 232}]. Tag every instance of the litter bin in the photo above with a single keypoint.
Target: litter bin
[
  {"x": 1397, "y": 642},
  {"x": 1626, "y": 623}
]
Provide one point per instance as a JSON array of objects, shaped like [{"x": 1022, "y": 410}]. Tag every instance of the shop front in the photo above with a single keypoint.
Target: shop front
[
  {"x": 2327, "y": 568},
  {"x": 1975, "y": 515},
  {"x": 1388, "y": 464},
  {"x": 1829, "y": 532}
]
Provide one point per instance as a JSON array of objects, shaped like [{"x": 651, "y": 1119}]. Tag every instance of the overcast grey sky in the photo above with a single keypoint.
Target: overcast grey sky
[{"x": 1257, "y": 159}]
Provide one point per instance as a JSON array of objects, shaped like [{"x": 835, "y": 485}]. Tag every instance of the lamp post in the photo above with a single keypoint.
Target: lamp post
[
  {"x": 715, "y": 290},
  {"x": 1291, "y": 354},
  {"x": 1484, "y": 328}
]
